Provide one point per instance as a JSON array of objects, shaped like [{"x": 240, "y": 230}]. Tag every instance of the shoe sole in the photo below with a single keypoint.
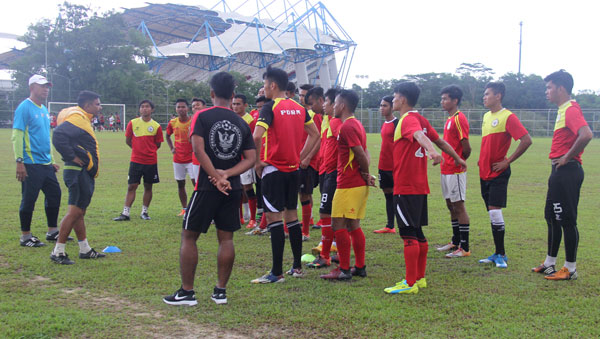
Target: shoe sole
[
  {"x": 61, "y": 262},
  {"x": 219, "y": 301},
  {"x": 411, "y": 291},
  {"x": 182, "y": 302},
  {"x": 36, "y": 245},
  {"x": 268, "y": 281}
]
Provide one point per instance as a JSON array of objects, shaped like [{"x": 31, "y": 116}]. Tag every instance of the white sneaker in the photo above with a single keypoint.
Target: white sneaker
[
  {"x": 447, "y": 247},
  {"x": 458, "y": 253}
]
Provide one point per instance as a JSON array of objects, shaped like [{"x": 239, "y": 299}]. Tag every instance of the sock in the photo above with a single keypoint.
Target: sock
[
  {"x": 296, "y": 242},
  {"x": 285, "y": 228},
  {"x": 252, "y": 203},
  {"x": 326, "y": 239},
  {"x": 325, "y": 221},
  {"x": 306, "y": 214},
  {"x": 84, "y": 247},
  {"x": 499, "y": 240},
  {"x": 263, "y": 222},
  {"x": 497, "y": 221},
  {"x": 571, "y": 243},
  {"x": 389, "y": 209},
  {"x": 277, "y": 245},
  {"x": 25, "y": 237},
  {"x": 464, "y": 236},
  {"x": 246, "y": 210},
  {"x": 358, "y": 244},
  {"x": 455, "y": 233},
  {"x": 549, "y": 261},
  {"x": 59, "y": 248},
  {"x": 343, "y": 243},
  {"x": 422, "y": 262},
  {"x": 25, "y": 218},
  {"x": 571, "y": 266},
  {"x": 125, "y": 211},
  {"x": 52, "y": 216},
  {"x": 144, "y": 209},
  {"x": 411, "y": 259}
]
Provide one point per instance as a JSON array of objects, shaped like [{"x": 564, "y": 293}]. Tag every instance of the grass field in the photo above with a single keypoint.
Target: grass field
[{"x": 120, "y": 296}]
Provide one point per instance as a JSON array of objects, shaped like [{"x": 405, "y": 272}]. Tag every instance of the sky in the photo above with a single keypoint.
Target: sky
[{"x": 396, "y": 38}]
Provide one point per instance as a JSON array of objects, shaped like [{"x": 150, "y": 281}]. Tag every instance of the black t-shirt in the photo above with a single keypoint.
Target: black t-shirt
[{"x": 226, "y": 136}]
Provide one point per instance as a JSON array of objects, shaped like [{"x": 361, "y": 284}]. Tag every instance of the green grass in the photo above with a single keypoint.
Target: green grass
[{"x": 120, "y": 296}]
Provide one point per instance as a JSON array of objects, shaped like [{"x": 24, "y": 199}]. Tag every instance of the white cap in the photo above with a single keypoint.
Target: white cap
[{"x": 39, "y": 79}]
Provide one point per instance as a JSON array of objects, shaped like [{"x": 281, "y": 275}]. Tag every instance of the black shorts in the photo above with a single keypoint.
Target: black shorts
[
  {"x": 280, "y": 190},
  {"x": 81, "y": 187},
  {"x": 494, "y": 192},
  {"x": 328, "y": 186},
  {"x": 39, "y": 177},
  {"x": 309, "y": 179},
  {"x": 137, "y": 171},
  {"x": 411, "y": 210},
  {"x": 206, "y": 206},
  {"x": 386, "y": 179},
  {"x": 562, "y": 199}
]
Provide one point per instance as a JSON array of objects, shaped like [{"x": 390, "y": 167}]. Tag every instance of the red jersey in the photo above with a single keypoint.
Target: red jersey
[
  {"x": 144, "y": 137},
  {"x": 410, "y": 160},
  {"x": 352, "y": 133},
  {"x": 496, "y": 131},
  {"x": 284, "y": 120},
  {"x": 183, "y": 146},
  {"x": 250, "y": 121},
  {"x": 318, "y": 120},
  {"x": 455, "y": 130},
  {"x": 324, "y": 129},
  {"x": 568, "y": 122},
  {"x": 330, "y": 153},
  {"x": 386, "y": 159}
]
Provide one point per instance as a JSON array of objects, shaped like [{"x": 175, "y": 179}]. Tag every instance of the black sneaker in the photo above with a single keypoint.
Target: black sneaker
[
  {"x": 122, "y": 217},
  {"x": 219, "y": 296},
  {"x": 32, "y": 242},
  {"x": 344, "y": 275},
  {"x": 145, "y": 216},
  {"x": 54, "y": 236},
  {"x": 182, "y": 297},
  {"x": 92, "y": 254},
  {"x": 359, "y": 272},
  {"x": 61, "y": 258}
]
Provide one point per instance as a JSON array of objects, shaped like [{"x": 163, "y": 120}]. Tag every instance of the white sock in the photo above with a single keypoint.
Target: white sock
[
  {"x": 246, "y": 208},
  {"x": 126, "y": 211},
  {"x": 144, "y": 209},
  {"x": 549, "y": 261},
  {"x": 571, "y": 266},
  {"x": 59, "y": 248},
  {"x": 84, "y": 247}
]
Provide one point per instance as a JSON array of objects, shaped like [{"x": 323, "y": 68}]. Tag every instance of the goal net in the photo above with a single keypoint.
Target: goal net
[{"x": 114, "y": 113}]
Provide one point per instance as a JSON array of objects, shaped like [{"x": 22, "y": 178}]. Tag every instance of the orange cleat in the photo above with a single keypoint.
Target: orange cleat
[
  {"x": 251, "y": 224},
  {"x": 385, "y": 230},
  {"x": 562, "y": 274},
  {"x": 182, "y": 213}
]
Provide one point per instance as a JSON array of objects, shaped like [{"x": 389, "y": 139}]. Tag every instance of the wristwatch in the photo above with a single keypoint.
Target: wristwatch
[{"x": 19, "y": 160}]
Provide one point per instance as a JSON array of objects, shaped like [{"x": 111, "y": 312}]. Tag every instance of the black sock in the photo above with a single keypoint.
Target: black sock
[
  {"x": 464, "y": 236},
  {"x": 389, "y": 209},
  {"x": 25, "y": 220},
  {"x": 295, "y": 230},
  {"x": 455, "y": 233},
  {"x": 554, "y": 237},
  {"x": 277, "y": 245},
  {"x": 52, "y": 216},
  {"x": 498, "y": 233},
  {"x": 571, "y": 242}
]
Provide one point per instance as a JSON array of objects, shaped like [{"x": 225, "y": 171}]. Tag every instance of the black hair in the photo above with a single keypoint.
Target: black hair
[
  {"x": 278, "y": 76},
  {"x": 223, "y": 85},
  {"x": 146, "y": 101},
  {"x": 291, "y": 87},
  {"x": 182, "y": 100},
  {"x": 86, "y": 97},
  {"x": 497, "y": 87},
  {"x": 198, "y": 99},
  {"x": 350, "y": 98},
  {"x": 388, "y": 99},
  {"x": 561, "y": 78},
  {"x": 307, "y": 87},
  {"x": 261, "y": 98},
  {"x": 315, "y": 92},
  {"x": 331, "y": 94},
  {"x": 241, "y": 96},
  {"x": 410, "y": 91},
  {"x": 454, "y": 92}
]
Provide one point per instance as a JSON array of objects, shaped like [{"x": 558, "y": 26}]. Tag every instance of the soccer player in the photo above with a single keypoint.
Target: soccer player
[
  {"x": 290, "y": 90},
  {"x": 453, "y": 176},
  {"x": 144, "y": 136},
  {"x": 413, "y": 145},
  {"x": 181, "y": 149},
  {"x": 571, "y": 135},
  {"x": 76, "y": 142},
  {"x": 219, "y": 138},
  {"x": 386, "y": 161},
  {"x": 283, "y": 120},
  {"x": 198, "y": 105},
  {"x": 36, "y": 168},
  {"x": 498, "y": 127}
]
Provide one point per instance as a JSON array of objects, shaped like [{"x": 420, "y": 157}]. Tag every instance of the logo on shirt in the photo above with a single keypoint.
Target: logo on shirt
[
  {"x": 495, "y": 123},
  {"x": 558, "y": 117},
  {"x": 225, "y": 140},
  {"x": 150, "y": 129}
]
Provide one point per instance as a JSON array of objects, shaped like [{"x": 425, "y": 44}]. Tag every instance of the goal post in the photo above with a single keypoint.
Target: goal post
[{"x": 54, "y": 107}]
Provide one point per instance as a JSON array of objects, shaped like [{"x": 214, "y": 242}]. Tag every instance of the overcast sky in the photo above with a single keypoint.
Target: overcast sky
[{"x": 409, "y": 37}]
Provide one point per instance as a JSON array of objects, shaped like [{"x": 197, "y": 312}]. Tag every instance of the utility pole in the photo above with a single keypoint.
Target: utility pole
[{"x": 520, "y": 44}]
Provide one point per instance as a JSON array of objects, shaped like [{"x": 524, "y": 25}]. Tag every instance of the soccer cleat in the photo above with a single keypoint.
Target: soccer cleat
[
  {"x": 490, "y": 259},
  {"x": 338, "y": 274},
  {"x": 562, "y": 274},
  {"x": 546, "y": 270},
  {"x": 182, "y": 213},
  {"x": 305, "y": 237},
  {"x": 54, "y": 236},
  {"x": 251, "y": 224},
  {"x": 268, "y": 278},
  {"x": 317, "y": 249},
  {"x": 500, "y": 261},
  {"x": 32, "y": 242},
  {"x": 402, "y": 288},
  {"x": 181, "y": 297},
  {"x": 61, "y": 258},
  {"x": 385, "y": 230},
  {"x": 447, "y": 247},
  {"x": 255, "y": 231},
  {"x": 295, "y": 272},
  {"x": 219, "y": 296},
  {"x": 458, "y": 253},
  {"x": 319, "y": 262},
  {"x": 92, "y": 254},
  {"x": 335, "y": 259},
  {"x": 122, "y": 217},
  {"x": 421, "y": 283},
  {"x": 145, "y": 216},
  {"x": 359, "y": 272}
]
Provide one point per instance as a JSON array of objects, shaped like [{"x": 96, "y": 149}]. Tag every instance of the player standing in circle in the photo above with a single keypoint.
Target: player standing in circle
[
  {"x": 413, "y": 145},
  {"x": 498, "y": 127},
  {"x": 197, "y": 105},
  {"x": 453, "y": 176},
  {"x": 571, "y": 135},
  {"x": 144, "y": 136},
  {"x": 219, "y": 138},
  {"x": 284, "y": 121},
  {"x": 386, "y": 161},
  {"x": 262, "y": 227},
  {"x": 181, "y": 149}
]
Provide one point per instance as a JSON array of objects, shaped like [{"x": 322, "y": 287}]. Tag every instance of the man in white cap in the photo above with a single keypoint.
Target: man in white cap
[{"x": 36, "y": 169}]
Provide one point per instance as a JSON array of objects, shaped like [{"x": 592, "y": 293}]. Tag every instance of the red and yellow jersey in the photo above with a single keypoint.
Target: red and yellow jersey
[
  {"x": 496, "y": 131},
  {"x": 250, "y": 121},
  {"x": 284, "y": 120},
  {"x": 144, "y": 137},
  {"x": 323, "y": 133},
  {"x": 183, "y": 147},
  {"x": 568, "y": 122},
  {"x": 318, "y": 120},
  {"x": 386, "y": 159},
  {"x": 455, "y": 130},
  {"x": 352, "y": 133},
  {"x": 329, "y": 162}
]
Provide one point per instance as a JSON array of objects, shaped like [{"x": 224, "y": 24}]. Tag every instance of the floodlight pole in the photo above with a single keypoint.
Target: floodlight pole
[
  {"x": 520, "y": 44},
  {"x": 361, "y": 76}
]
